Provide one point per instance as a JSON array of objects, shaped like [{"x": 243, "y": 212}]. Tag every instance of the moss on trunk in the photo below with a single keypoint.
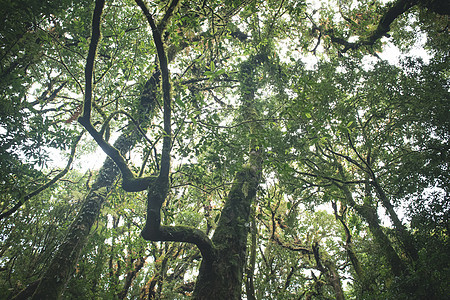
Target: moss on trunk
[{"x": 221, "y": 278}]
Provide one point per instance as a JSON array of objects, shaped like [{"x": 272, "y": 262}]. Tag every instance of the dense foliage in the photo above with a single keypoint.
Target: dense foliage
[{"x": 255, "y": 149}]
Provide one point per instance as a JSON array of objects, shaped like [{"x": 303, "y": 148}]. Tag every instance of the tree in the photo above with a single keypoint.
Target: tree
[{"x": 225, "y": 140}]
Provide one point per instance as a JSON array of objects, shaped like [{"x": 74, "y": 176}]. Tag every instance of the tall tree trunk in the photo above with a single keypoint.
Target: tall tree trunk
[
  {"x": 404, "y": 237},
  {"x": 369, "y": 214},
  {"x": 328, "y": 268},
  {"x": 222, "y": 277},
  {"x": 249, "y": 285},
  {"x": 63, "y": 263}
]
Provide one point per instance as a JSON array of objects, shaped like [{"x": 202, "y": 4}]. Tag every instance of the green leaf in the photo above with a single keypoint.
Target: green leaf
[{"x": 179, "y": 102}]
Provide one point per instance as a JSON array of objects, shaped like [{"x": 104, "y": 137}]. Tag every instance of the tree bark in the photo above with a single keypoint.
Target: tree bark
[
  {"x": 221, "y": 278},
  {"x": 404, "y": 237},
  {"x": 64, "y": 260},
  {"x": 328, "y": 268},
  {"x": 249, "y": 285},
  {"x": 369, "y": 214}
]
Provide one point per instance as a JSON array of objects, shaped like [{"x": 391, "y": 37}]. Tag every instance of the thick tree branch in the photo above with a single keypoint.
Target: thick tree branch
[
  {"x": 275, "y": 237},
  {"x": 302, "y": 249},
  {"x": 166, "y": 87},
  {"x": 185, "y": 234},
  {"x": 384, "y": 26},
  {"x": 130, "y": 183},
  {"x": 153, "y": 230},
  {"x": 89, "y": 69}
]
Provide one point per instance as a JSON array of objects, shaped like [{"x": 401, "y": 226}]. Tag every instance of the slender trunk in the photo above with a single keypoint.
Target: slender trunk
[
  {"x": 64, "y": 260},
  {"x": 348, "y": 242},
  {"x": 133, "y": 266},
  {"x": 352, "y": 255},
  {"x": 148, "y": 291},
  {"x": 369, "y": 214},
  {"x": 249, "y": 285},
  {"x": 404, "y": 237},
  {"x": 360, "y": 274}
]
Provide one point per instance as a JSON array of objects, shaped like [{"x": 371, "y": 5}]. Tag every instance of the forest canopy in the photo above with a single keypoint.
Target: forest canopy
[{"x": 237, "y": 149}]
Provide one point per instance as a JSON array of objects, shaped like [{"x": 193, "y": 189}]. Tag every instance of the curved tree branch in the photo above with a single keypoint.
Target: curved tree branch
[
  {"x": 89, "y": 69},
  {"x": 157, "y": 194},
  {"x": 395, "y": 10},
  {"x": 48, "y": 184},
  {"x": 292, "y": 247},
  {"x": 185, "y": 234},
  {"x": 130, "y": 183},
  {"x": 166, "y": 87}
]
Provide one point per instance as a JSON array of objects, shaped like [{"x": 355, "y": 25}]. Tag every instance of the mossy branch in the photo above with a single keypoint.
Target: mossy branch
[
  {"x": 153, "y": 230},
  {"x": 184, "y": 234}
]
